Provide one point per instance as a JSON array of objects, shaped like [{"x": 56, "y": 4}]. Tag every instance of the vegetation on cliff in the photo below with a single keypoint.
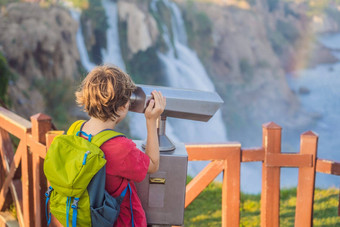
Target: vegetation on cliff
[
  {"x": 199, "y": 30},
  {"x": 59, "y": 99},
  {"x": 94, "y": 23},
  {"x": 6, "y": 75}
]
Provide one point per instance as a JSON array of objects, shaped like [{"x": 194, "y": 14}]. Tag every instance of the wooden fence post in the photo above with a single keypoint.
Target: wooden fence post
[
  {"x": 306, "y": 182},
  {"x": 27, "y": 194},
  {"x": 6, "y": 155},
  {"x": 41, "y": 124},
  {"x": 270, "y": 196},
  {"x": 231, "y": 190}
]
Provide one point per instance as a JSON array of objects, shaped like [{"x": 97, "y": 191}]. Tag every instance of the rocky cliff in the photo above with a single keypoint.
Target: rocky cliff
[
  {"x": 39, "y": 45},
  {"x": 247, "y": 48}
]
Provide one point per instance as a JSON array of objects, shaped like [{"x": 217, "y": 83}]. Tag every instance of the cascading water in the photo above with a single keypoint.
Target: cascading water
[
  {"x": 84, "y": 57},
  {"x": 112, "y": 54},
  {"x": 184, "y": 70}
]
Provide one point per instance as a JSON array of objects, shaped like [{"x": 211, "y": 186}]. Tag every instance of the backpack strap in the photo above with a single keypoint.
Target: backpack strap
[
  {"x": 97, "y": 139},
  {"x": 104, "y": 136},
  {"x": 75, "y": 127}
]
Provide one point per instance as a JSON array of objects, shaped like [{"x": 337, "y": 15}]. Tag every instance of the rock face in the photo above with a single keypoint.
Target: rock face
[
  {"x": 142, "y": 31},
  {"x": 37, "y": 43}
]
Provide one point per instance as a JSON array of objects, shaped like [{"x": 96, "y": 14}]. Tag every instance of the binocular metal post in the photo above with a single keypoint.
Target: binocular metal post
[{"x": 165, "y": 144}]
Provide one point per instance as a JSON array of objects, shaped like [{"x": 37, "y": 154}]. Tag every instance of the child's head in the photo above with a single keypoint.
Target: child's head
[{"x": 103, "y": 91}]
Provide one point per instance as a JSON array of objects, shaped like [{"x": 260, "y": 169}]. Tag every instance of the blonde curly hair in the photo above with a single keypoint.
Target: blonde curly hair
[{"x": 103, "y": 91}]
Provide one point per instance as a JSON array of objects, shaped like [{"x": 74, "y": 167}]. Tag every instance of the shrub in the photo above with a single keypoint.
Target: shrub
[{"x": 5, "y": 76}]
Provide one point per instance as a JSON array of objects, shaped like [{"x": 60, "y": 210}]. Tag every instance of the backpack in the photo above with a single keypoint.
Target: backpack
[{"x": 75, "y": 169}]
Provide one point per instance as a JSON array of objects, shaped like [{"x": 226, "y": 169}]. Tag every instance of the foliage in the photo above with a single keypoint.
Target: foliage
[
  {"x": 288, "y": 31},
  {"x": 272, "y": 5},
  {"x": 317, "y": 7},
  {"x": 82, "y": 4},
  {"x": 247, "y": 70},
  {"x": 285, "y": 34},
  {"x": 146, "y": 68},
  {"x": 288, "y": 11},
  {"x": 162, "y": 16},
  {"x": 5, "y": 2},
  {"x": 6, "y": 75},
  {"x": 205, "y": 210},
  {"x": 58, "y": 97},
  {"x": 96, "y": 14},
  {"x": 199, "y": 30}
]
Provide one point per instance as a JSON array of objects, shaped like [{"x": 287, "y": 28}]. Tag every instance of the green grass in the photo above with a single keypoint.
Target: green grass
[{"x": 205, "y": 210}]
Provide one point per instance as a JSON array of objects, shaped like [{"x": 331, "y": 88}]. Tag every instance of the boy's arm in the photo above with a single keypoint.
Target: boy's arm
[{"x": 152, "y": 113}]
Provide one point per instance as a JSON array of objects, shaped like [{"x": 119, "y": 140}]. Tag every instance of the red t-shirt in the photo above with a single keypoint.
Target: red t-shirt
[{"x": 125, "y": 163}]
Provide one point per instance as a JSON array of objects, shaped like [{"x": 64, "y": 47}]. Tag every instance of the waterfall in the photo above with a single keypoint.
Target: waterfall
[
  {"x": 184, "y": 70},
  {"x": 112, "y": 54},
  {"x": 84, "y": 57}
]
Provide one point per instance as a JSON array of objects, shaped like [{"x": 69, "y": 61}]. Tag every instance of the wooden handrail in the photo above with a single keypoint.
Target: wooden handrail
[
  {"x": 28, "y": 183},
  {"x": 13, "y": 123},
  {"x": 328, "y": 166}
]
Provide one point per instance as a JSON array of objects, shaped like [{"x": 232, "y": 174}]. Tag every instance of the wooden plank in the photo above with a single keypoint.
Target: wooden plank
[
  {"x": 37, "y": 148},
  {"x": 231, "y": 190},
  {"x": 6, "y": 154},
  {"x": 27, "y": 195},
  {"x": 6, "y": 147},
  {"x": 289, "y": 160},
  {"x": 200, "y": 152},
  {"x": 12, "y": 164},
  {"x": 202, "y": 180},
  {"x": 328, "y": 166},
  {"x": 17, "y": 189},
  {"x": 270, "y": 196},
  {"x": 13, "y": 123},
  {"x": 10, "y": 174},
  {"x": 41, "y": 124},
  {"x": 252, "y": 154},
  {"x": 50, "y": 136},
  {"x": 37, "y": 194},
  {"x": 2, "y": 175},
  {"x": 306, "y": 182},
  {"x": 9, "y": 183}
]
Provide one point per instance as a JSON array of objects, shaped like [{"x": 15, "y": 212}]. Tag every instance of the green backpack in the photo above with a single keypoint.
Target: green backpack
[{"x": 75, "y": 168}]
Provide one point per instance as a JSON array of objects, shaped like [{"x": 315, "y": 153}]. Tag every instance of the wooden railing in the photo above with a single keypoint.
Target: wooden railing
[
  {"x": 22, "y": 181},
  {"x": 228, "y": 158}
]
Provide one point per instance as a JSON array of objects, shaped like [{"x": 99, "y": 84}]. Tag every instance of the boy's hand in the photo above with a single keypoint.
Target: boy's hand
[{"x": 156, "y": 106}]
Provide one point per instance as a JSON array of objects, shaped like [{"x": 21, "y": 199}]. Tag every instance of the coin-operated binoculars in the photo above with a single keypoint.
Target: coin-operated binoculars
[
  {"x": 180, "y": 103},
  {"x": 163, "y": 193}
]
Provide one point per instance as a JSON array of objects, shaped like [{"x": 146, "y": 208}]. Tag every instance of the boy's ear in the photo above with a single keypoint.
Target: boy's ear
[
  {"x": 124, "y": 106},
  {"x": 127, "y": 105}
]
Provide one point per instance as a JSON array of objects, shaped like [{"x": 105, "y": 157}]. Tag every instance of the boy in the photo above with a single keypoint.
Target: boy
[{"x": 105, "y": 94}]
